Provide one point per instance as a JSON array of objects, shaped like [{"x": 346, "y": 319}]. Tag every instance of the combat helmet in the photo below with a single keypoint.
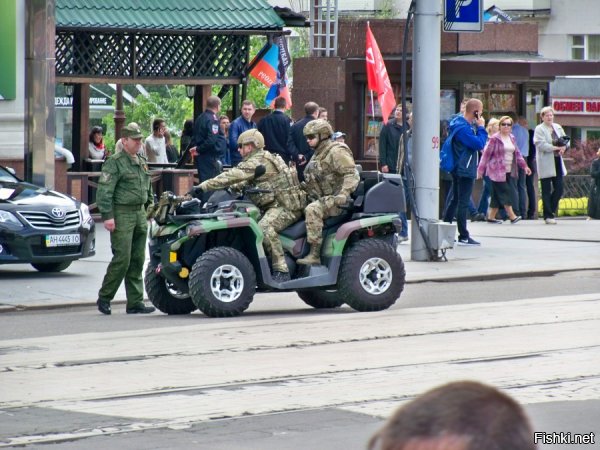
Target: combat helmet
[
  {"x": 253, "y": 136},
  {"x": 320, "y": 127}
]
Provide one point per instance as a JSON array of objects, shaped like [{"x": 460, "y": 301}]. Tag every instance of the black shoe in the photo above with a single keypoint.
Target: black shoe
[
  {"x": 281, "y": 277},
  {"x": 140, "y": 309},
  {"x": 478, "y": 217},
  {"x": 103, "y": 306},
  {"x": 516, "y": 219}
]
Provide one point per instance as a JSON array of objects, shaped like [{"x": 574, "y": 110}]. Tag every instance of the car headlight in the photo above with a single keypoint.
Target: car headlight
[
  {"x": 85, "y": 213},
  {"x": 9, "y": 220}
]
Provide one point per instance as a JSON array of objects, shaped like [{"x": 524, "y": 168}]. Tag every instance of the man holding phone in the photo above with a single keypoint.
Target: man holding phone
[{"x": 466, "y": 145}]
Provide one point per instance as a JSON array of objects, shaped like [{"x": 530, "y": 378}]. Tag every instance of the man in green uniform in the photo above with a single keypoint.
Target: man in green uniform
[
  {"x": 280, "y": 207},
  {"x": 330, "y": 178},
  {"x": 124, "y": 193}
]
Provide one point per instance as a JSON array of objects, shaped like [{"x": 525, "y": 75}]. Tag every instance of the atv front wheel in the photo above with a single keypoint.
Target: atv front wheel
[
  {"x": 321, "y": 299},
  {"x": 372, "y": 276},
  {"x": 222, "y": 282},
  {"x": 165, "y": 296}
]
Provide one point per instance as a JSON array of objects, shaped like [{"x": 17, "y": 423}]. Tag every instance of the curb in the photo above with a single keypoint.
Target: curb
[{"x": 441, "y": 279}]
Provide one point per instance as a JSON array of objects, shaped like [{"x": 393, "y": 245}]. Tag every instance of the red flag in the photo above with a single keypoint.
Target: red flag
[{"x": 377, "y": 77}]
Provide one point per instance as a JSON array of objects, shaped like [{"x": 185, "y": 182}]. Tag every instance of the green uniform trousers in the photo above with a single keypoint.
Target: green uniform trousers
[
  {"x": 128, "y": 245},
  {"x": 273, "y": 221}
]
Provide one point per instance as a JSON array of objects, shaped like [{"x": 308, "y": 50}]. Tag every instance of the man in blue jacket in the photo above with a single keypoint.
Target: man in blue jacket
[
  {"x": 237, "y": 127},
  {"x": 466, "y": 144}
]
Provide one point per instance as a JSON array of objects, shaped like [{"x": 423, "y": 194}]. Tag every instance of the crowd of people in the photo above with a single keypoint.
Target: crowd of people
[{"x": 504, "y": 154}]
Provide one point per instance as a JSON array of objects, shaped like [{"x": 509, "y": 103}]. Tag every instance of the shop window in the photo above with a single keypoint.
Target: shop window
[
  {"x": 592, "y": 135},
  {"x": 498, "y": 99},
  {"x": 373, "y": 122}
]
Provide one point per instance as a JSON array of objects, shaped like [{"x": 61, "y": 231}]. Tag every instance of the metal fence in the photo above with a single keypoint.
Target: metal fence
[{"x": 575, "y": 197}]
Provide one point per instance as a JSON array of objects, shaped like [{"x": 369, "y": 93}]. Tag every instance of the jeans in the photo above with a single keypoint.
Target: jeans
[
  {"x": 484, "y": 201},
  {"x": 520, "y": 207},
  {"x": 552, "y": 191},
  {"x": 462, "y": 187},
  {"x": 531, "y": 196}
]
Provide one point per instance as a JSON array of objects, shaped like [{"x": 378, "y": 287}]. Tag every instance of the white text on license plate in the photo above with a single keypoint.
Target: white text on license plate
[{"x": 58, "y": 240}]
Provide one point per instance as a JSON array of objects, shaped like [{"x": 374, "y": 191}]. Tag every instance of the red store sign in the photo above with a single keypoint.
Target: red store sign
[{"x": 584, "y": 106}]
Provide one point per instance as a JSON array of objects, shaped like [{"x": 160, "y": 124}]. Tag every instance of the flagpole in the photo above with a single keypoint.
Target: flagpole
[{"x": 376, "y": 136}]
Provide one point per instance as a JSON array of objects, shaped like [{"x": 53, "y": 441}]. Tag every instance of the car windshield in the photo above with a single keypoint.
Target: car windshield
[{"x": 6, "y": 176}]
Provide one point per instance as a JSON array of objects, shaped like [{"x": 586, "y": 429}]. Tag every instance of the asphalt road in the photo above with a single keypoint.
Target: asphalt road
[{"x": 284, "y": 376}]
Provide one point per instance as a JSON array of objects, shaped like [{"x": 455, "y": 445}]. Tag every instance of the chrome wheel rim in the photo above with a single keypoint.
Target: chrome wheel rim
[
  {"x": 375, "y": 276},
  {"x": 227, "y": 283},
  {"x": 174, "y": 292}
]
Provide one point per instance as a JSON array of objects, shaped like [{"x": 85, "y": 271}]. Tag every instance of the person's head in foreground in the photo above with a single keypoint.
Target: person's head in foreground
[{"x": 463, "y": 415}]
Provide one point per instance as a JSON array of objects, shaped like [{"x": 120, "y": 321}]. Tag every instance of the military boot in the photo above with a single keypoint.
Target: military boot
[{"x": 313, "y": 258}]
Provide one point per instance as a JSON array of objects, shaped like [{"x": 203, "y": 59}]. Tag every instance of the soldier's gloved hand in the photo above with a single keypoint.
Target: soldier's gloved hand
[
  {"x": 340, "y": 200},
  {"x": 196, "y": 192}
]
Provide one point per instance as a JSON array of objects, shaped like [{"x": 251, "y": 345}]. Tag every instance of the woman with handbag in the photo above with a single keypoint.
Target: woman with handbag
[{"x": 551, "y": 143}]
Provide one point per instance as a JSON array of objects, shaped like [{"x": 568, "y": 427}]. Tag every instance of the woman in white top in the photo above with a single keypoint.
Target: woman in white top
[
  {"x": 96, "y": 147},
  {"x": 550, "y": 165}
]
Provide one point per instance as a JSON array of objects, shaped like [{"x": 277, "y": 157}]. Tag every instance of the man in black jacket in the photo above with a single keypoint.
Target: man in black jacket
[
  {"x": 275, "y": 128},
  {"x": 299, "y": 150},
  {"x": 209, "y": 140},
  {"x": 389, "y": 141}
]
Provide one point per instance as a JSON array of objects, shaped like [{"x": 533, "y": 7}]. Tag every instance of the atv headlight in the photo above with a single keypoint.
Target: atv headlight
[
  {"x": 85, "y": 213},
  {"x": 9, "y": 220}
]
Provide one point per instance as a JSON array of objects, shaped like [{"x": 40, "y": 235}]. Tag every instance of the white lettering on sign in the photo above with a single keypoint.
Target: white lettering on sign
[
  {"x": 461, "y": 4},
  {"x": 580, "y": 106}
]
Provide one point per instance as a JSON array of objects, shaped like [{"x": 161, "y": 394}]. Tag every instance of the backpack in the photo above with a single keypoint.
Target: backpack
[{"x": 447, "y": 162}]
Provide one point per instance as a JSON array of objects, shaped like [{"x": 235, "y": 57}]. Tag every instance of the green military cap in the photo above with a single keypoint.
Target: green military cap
[{"x": 132, "y": 131}]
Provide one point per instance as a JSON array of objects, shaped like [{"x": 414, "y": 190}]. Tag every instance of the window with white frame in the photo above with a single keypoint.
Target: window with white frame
[{"x": 585, "y": 46}]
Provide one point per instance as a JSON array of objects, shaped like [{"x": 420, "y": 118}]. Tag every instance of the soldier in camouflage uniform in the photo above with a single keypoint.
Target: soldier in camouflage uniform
[
  {"x": 330, "y": 178},
  {"x": 277, "y": 214},
  {"x": 124, "y": 193}
]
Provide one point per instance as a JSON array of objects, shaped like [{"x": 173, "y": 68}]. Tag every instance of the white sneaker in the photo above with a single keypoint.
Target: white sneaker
[{"x": 550, "y": 221}]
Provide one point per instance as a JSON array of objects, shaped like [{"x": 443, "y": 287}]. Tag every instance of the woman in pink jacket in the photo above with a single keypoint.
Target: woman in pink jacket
[{"x": 499, "y": 162}]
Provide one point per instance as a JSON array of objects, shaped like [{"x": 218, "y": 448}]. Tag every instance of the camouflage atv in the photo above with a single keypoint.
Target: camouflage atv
[{"x": 209, "y": 256}]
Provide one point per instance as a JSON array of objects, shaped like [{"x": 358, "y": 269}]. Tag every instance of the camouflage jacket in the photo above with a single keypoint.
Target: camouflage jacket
[
  {"x": 331, "y": 171},
  {"x": 243, "y": 174},
  {"x": 125, "y": 180}
]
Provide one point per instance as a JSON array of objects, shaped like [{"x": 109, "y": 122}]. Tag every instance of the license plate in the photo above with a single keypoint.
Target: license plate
[{"x": 58, "y": 240}]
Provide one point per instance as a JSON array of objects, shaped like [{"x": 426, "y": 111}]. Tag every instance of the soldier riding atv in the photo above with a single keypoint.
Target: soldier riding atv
[{"x": 210, "y": 255}]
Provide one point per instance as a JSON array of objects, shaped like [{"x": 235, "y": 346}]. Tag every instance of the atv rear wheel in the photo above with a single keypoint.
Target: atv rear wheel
[
  {"x": 321, "y": 299},
  {"x": 222, "y": 282},
  {"x": 372, "y": 276},
  {"x": 164, "y": 295}
]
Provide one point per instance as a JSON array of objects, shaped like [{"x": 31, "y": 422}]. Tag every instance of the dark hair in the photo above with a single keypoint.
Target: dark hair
[
  {"x": 188, "y": 128},
  {"x": 95, "y": 130},
  {"x": 468, "y": 412},
  {"x": 280, "y": 102},
  {"x": 156, "y": 123}
]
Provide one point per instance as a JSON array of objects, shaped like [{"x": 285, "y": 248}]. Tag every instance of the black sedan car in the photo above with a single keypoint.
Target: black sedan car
[{"x": 44, "y": 228}]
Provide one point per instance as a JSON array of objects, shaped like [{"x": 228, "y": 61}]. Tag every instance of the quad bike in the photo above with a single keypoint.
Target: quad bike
[{"x": 209, "y": 255}]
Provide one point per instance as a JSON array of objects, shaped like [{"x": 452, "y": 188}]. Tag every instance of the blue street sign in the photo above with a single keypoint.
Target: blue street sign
[{"x": 463, "y": 16}]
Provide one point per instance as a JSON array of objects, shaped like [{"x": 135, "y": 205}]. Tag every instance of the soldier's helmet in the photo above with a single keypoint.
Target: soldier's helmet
[
  {"x": 253, "y": 136},
  {"x": 320, "y": 127}
]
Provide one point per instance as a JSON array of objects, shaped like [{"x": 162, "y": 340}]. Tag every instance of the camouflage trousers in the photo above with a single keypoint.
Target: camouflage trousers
[
  {"x": 315, "y": 213},
  {"x": 128, "y": 245},
  {"x": 272, "y": 222}
]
